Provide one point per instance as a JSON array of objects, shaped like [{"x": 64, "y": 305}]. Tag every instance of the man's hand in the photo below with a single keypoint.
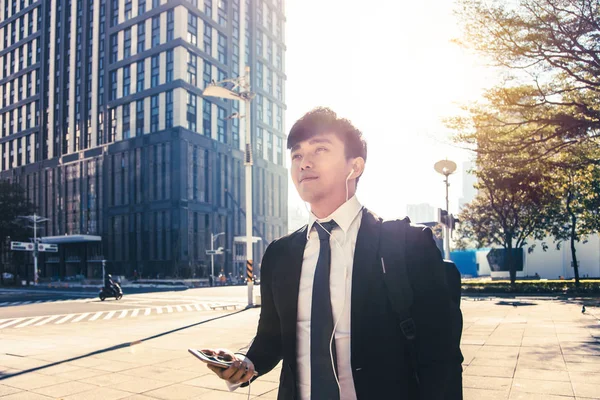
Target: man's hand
[{"x": 239, "y": 372}]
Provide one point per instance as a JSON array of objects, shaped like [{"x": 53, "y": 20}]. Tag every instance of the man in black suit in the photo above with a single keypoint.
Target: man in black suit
[{"x": 325, "y": 310}]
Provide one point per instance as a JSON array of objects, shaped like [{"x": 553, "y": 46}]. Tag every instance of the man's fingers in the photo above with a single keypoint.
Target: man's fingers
[{"x": 247, "y": 376}]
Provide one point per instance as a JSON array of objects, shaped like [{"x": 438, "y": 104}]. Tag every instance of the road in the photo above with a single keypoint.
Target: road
[{"x": 24, "y": 308}]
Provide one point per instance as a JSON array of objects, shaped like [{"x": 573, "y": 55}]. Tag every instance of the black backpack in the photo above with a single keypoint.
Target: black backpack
[{"x": 400, "y": 296}]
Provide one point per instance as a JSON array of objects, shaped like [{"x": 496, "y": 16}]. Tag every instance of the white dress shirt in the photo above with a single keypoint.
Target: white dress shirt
[{"x": 342, "y": 242}]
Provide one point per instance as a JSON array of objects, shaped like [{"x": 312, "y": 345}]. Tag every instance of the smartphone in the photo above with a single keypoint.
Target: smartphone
[{"x": 211, "y": 357}]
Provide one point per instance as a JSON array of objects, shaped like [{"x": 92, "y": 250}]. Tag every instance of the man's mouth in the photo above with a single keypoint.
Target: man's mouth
[{"x": 308, "y": 178}]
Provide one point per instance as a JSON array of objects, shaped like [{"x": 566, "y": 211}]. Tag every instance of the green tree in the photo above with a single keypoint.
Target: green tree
[
  {"x": 13, "y": 204},
  {"x": 550, "y": 50},
  {"x": 577, "y": 187}
]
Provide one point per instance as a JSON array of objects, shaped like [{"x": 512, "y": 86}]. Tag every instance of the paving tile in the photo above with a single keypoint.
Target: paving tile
[
  {"x": 107, "y": 379},
  {"x": 140, "y": 385},
  {"x": 542, "y": 374},
  {"x": 99, "y": 394},
  {"x": 82, "y": 373},
  {"x": 163, "y": 374},
  {"x": 542, "y": 387},
  {"x": 177, "y": 391},
  {"x": 6, "y": 390},
  {"x": 584, "y": 367},
  {"x": 64, "y": 389},
  {"x": 588, "y": 390},
  {"x": 518, "y": 395},
  {"x": 585, "y": 377},
  {"x": 496, "y": 371},
  {"x": 483, "y": 394},
  {"x": 26, "y": 396},
  {"x": 490, "y": 383},
  {"x": 33, "y": 380}
]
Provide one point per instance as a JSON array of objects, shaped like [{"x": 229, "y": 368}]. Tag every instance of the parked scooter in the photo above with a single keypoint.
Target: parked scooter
[{"x": 115, "y": 292}]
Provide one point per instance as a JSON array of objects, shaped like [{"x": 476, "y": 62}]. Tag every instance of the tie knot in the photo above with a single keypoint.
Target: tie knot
[{"x": 324, "y": 229}]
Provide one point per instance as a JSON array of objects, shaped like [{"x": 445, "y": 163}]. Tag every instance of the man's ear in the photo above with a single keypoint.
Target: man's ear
[{"x": 358, "y": 166}]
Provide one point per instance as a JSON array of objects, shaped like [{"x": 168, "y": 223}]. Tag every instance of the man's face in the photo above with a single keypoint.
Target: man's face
[{"x": 319, "y": 168}]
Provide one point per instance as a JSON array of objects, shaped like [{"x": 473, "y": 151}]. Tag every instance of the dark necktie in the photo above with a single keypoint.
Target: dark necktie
[{"x": 322, "y": 379}]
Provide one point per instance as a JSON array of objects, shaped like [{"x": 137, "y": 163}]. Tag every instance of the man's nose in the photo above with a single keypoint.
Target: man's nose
[{"x": 306, "y": 163}]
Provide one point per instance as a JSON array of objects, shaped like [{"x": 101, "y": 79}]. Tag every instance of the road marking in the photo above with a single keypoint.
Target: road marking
[
  {"x": 159, "y": 310},
  {"x": 110, "y": 315},
  {"x": 96, "y": 316},
  {"x": 123, "y": 314},
  {"x": 179, "y": 308},
  {"x": 135, "y": 312},
  {"x": 31, "y": 321},
  {"x": 148, "y": 311},
  {"x": 14, "y": 321},
  {"x": 169, "y": 309},
  {"x": 188, "y": 307},
  {"x": 82, "y": 316},
  {"x": 65, "y": 319},
  {"x": 52, "y": 318},
  {"x": 197, "y": 307}
]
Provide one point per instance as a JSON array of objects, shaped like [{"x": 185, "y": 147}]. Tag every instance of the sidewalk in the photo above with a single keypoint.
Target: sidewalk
[{"x": 525, "y": 349}]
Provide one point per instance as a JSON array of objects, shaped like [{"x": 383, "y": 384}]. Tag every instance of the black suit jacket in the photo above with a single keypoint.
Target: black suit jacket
[{"x": 380, "y": 366}]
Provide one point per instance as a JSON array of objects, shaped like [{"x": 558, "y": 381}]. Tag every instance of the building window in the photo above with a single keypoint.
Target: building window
[
  {"x": 270, "y": 112},
  {"x": 270, "y": 50},
  {"x": 259, "y": 142},
  {"x": 128, "y": 10},
  {"x": 113, "y": 85},
  {"x": 139, "y": 122},
  {"x": 207, "y": 74},
  {"x": 141, "y": 43},
  {"x": 127, "y": 43},
  {"x": 221, "y": 125},
  {"x": 221, "y": 76},
  {"x": 192, "y": 68},
  {"x": 169, "y": 75},
  {"x": 155, "y": 3},
  {"x": 191, "y": 112},
  {"x": 170, "y": 24},
  {"x": 222, "y": 48},
  {"x": 155, "y": 71},
  {"x": 206, "y": 118},
  {"x": 279, "y": 119},
  {"x": 192, "y": 29},
  {"x": 115, "y": 13},
  {"x": 222, "y": 12},
  {"x": 169, "y": 109},
  {"x": 278, "y": 27},
  {"x": 279, "y": 58},
  {"x": 154, "y": 114},
  {"x": 270, "y": 146},
  {"x": 269, "y": 19},
  {"x": 235, "y": 126},
  {"x": 208, "y": 39},
  {"x": 259, "y": 44},
  {"x": 126, "y": 121},
  {"x": 269, "y": 81},
  {"x": 279, "y": 88},
  {"x": 279, "y": 151},
  {"x": 208, "y": 8},
  {"x": 259, "y": 13},
  {"x": 140, "y": 76},
  {"x": 126, "y": 80},
  {"x": 114, "y": 52},
  {"x": 155, "y": 31},
  {"x": 141, "y": 7},
  {"x": 259, "y": 75},
  {"x": 259, "y": 106}
]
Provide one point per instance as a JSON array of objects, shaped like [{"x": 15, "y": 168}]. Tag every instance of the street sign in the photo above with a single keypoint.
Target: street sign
[
  {"x": 50, "y": 248},
  {"x": 213, "y": 252},
  {"x": 21, "y": 246}
]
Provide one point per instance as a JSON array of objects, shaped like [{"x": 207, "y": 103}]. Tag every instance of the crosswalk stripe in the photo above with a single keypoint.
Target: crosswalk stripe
[
  {"x": 169, "y": 309},
  {"x": 159, "y": 310},
  {"x": 135, "y": 312},
  {"x": 188, "y": 307},
  {"x": 123, "y": 314},
  {"x": 82, "y": 316},
  {"x": 65, "y": 319},
  {"x": 110, "y": 315},
  {"x": 31, "y": 321},
  {"x": 148, "y": 311},
  {"x": 52, "y": 318},
  {"x": 14, "y": 321},
  {"x": 197, "y": 306},
  {"x": 179, "y": 308},
  {"x": 96, "y": 316}
]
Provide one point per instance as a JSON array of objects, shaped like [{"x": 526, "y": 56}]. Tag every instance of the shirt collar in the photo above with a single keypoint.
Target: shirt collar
[{"x": 343, "y": 216}]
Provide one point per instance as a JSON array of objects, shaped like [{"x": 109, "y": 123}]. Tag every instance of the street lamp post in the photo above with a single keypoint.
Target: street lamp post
[
  {"x": 213, "y": 237},
  {"x": 242, "y": 95},
  {"x": 446, "y": 168},
  {"x": 35, "y": 219}
]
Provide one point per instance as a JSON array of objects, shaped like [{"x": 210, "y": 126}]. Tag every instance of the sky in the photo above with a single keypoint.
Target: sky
[{"x": 390, "y": 67}]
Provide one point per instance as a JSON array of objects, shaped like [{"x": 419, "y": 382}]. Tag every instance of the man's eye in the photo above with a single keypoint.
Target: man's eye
[
  {"x": 296, "y": 157},
  {"x": 321, "y": 149}
]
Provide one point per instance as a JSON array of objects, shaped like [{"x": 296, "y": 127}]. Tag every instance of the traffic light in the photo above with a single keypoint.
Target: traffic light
[{"x": 453, "y": 221}]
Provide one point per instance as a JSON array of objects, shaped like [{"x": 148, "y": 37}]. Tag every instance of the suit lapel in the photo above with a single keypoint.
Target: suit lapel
[
  {"x": 365, "y": 260},
  {"x": 288, "y": 286}
]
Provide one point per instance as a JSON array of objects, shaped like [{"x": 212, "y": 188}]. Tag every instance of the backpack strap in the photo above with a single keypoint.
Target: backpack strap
[{"x": 392, "y": 253}]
